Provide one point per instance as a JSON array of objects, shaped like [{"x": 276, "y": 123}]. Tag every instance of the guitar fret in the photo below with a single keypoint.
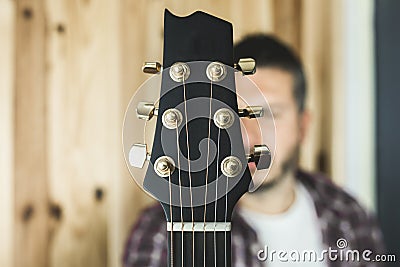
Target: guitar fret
[{"x": 199, "y": 226}]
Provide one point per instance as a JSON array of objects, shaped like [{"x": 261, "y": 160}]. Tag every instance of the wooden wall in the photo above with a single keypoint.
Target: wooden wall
[
  {"x": 68, "y": 69},
  {"x": 6, "y": 131}
]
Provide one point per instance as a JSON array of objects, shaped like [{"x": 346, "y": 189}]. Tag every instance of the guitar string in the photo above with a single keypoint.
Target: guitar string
[
  {"x": 216, "y": 199},
  {"x": 208, "y": 159},
  {"x": 180, "y": 188},
  {"x": 189, "y": 170},
  {"x": 172, "y": 221},
  {"x": 226, "y": 214}
]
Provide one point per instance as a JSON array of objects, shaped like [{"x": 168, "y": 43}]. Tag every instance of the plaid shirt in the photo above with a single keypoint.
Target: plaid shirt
[{"x": 339, "y": 214}]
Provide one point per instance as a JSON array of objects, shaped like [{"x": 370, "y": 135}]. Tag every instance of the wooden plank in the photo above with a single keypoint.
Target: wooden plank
[
  {"x": 140, "y": 40},
  {"x": 313, "y": 54},
  {"x": 253, "y": 16},
  {"x": 84, "y": 123},
  {"x": 249, "y": 17},
  {"x": 7, "y": 11},
  {"x": 287, "y": 21},
  {"x": 338, "y": 115},
  {"x": 31, "y": 222}
]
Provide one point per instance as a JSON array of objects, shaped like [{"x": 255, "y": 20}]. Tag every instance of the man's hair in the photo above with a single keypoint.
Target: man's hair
[{"x": 270, "y": 52}]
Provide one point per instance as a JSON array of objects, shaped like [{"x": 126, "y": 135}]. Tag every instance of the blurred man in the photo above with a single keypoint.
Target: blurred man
[{"x": 294, "y": 216}]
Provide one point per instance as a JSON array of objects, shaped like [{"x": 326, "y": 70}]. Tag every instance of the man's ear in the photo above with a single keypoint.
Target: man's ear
[{"x": 305, "y": 119}]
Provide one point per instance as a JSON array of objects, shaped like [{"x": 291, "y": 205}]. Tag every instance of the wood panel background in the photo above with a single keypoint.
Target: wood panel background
[
  {"x": 6, "y": 131},
  {"x": 68, "y": 69}
]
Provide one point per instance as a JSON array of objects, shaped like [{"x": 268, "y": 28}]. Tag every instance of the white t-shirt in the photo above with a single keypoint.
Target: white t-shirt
[{"x": 295, "y": 232}]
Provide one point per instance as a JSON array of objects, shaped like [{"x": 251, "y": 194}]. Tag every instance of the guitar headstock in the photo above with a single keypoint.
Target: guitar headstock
[{"x": 197, "y": 166}]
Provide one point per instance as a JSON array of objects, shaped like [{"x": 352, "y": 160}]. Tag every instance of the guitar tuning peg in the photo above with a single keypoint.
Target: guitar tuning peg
[
  {"x": 246, "y": 65},
  {"x": 152, "y": 67},
  {"x": 138, "y": 155},
  {"x": 251, "y": 112},
  {"x": 146, "y": 111},
  {"x": 261, "y": 156}
]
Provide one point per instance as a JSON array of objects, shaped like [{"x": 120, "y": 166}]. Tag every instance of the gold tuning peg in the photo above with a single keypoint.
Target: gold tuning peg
[
  {"x": 261, "y": 156},
  {"x": 251, "y": 112},
  {"x": 138, "y": 155},
  {"x": 246, "y": 65},
  {"x": 152, "y": 67},
  {"x": 146, "y": 111}
]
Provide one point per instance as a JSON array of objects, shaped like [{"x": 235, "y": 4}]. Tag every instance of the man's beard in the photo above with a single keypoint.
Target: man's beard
[{"x": 288, "y": 165}]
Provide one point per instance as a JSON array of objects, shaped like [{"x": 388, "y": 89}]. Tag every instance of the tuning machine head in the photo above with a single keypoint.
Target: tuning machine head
[
  {"x": 251, "y": 112},
  {"x": 152, "y": 67},
  {"x": 261, "y": 156},
  {"x": 246, "y": 65},
  {"x": 138, "y": 155},
  {"x": 146, "y": 110}
]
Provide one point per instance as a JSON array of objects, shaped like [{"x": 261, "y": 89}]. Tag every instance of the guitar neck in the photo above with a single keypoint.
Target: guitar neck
[{"x": 215, "y": 251}]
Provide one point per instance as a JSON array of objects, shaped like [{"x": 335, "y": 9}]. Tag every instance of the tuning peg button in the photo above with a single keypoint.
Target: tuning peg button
[
  {"x": 152, "y": 67},
  {"x": 246, "y": 65},
  {"x": 138, "y": 155},
  {"x": 146, "y": 111},
  {"x": 261, "y": 156},
  {"x": 251, "y": 112}
]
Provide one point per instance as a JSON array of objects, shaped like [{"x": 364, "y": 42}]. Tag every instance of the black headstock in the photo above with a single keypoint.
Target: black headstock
[{"x": 200, "y": 187}]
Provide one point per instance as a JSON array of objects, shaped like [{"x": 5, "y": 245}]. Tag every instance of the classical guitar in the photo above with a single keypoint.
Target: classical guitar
[{"x": 197, "y": 166}]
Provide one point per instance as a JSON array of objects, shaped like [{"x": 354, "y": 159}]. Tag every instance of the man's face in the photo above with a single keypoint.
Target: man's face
[{"x": 277, "y": 87}]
